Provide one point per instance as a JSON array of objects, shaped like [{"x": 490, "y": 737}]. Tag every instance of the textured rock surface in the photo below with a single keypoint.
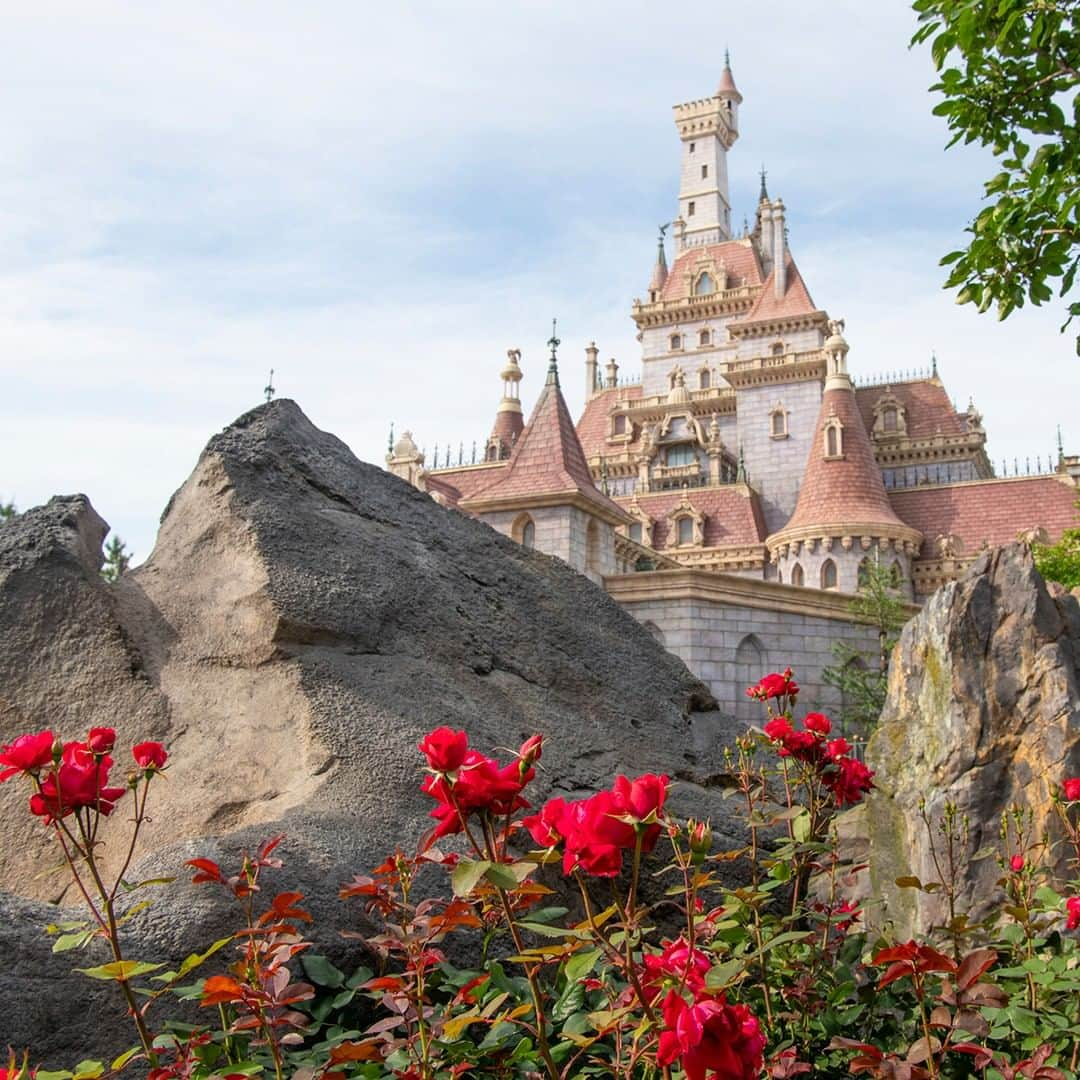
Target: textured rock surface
[
  {"x": 983, "y": 711},
  {"x": 303, "y": 620}
]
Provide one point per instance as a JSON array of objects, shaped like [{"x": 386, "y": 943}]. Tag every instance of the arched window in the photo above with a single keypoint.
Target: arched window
[
  {"x": 524, "y": 531},
  {"x": 896, "y": 575},
  {"x": 834, "y": 439},
  {"x": 778, "y": 349},
  {"x": 749, "y": 667},
  {"x": 676, "y": 342},
  {"x": 704, "y": 338},
  {"x": 889, "y": 418},
  {"x": 685, "y": 526},
  {"x": 797, "y": 575},
  {"x": 703, "y": 379},
  {"x": 828, "y": 574},
  {"x": 705, "y": 285},
  {"x": 778, "y": 423},
  {"x": 864, "y": 573}
]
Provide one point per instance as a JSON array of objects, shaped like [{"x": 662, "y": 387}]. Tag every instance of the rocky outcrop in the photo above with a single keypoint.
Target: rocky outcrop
[
  {"x": 983, "y": 712},
  {"x": 303, "y": 619}
]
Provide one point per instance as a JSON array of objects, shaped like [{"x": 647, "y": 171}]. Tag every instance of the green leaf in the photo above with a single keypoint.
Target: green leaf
[
  {"x": 72, "y": 941},
  {"x": 119, "y": 970},
  {"x": 502, "y": 876},
  {"x": 124, "y": 1058},
  {"x": 467, "y": 875},
  {"x": 321, "y": 972},
  {"x": 582, "y": 964}
]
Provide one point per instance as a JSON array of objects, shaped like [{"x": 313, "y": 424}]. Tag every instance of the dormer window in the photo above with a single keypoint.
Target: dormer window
[
  {"x": 704, "y": 338},
  {"x": 676, "y": 342},
  {"x": 618, "y": 426},
  {"x": 634, "y": 532},
  {"x": 705, "y": 285},
  {"x": 681, "y": 454},
  {"x": 685, "y": 527},
  {"x": 889, "y": 419}
]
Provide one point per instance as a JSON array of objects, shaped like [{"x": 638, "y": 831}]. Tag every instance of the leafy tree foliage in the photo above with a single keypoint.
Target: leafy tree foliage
[
  {"x": 1060, "y": 562},
  {"x": 117, "y": 559},
  {"x": 862, "y": 678},
  {"x": 1008, "y": 80},
  {"x": 7, "y": 511}
]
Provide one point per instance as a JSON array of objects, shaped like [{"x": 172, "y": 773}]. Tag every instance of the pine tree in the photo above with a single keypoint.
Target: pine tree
[
  {"x": 7, "y": 511},
  {"x": 117, "y": 559}
]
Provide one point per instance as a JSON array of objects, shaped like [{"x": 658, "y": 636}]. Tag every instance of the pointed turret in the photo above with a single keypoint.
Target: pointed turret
[
  {"x": 727, "y": 87},
  {"x": 509, "y": 421},
  {"x": 842, "y": 513},
  {"x": 660, "y": 270}
]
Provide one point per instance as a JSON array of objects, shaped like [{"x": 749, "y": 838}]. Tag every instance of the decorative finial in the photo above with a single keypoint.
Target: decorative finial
[
  {"x": 933, "y": 363},
  {"x": 1061, "y": 445},
  {"x": 764, "y": 194},
  {"x": 727, "y": 59},
  {"x": 268, "y": 389},
  {"x": 604, "y": 476},
  {"x": 740, "y": 476},
  {"x": 390, "y": 441},
  {"x": 553, "y": 366}
]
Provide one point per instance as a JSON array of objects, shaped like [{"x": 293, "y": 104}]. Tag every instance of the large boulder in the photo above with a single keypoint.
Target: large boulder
[
  {"x": 983, "y": 712},
  {"x": 303, "y": 620}
]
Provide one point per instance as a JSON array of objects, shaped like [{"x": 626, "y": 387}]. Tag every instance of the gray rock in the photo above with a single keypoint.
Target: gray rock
[
  {"x": 303, "y": 620},
  {"x": 983, "y": 712}
]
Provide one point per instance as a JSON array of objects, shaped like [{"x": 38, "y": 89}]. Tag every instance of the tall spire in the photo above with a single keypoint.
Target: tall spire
[
  {"x": 660, "y": 270},
  {"x": 727, "y": 87},
  {"x": 553, "y": 365},
  {"x": 763, "y": 194}
]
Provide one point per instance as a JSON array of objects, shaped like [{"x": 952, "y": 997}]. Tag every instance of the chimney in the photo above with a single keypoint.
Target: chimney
[
  {"x": 779, "y": 250},
  {"x": 591, "y": 369},
  {"x": 612, "y": 374}
]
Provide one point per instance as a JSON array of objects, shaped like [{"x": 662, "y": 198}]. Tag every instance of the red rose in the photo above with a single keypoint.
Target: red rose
[
  {"x": 149, "y": 755},
  {"x": 837, "y": 748},
  {"x": 779, "y": 729},
  {"x": 1072, "y": 906},
  {"x": 849, "y": 780},
  {"x": 711, "y": 1037},
  {"x": 101, "y": 740},
  {"x": 27, "y": 753},
  {"x": 818, "y": 723},
  {"x": 1016, "y": 863},
  {"x": 774, "y": 686},
  {"x": 79, "y": 780},
  {"x": 678, "y": 963},
  {"x": 530, "y": 750},
  {"x": 1071, "y": 789},
  {"x": 546, "y": 827},
  {"x": 444, "y": 749}
]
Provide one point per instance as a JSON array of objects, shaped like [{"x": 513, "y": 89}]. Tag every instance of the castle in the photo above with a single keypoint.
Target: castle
[{"x": 734, "y": 495}]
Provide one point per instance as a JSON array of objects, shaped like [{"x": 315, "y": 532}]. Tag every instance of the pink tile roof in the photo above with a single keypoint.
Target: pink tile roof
[
  {"x": 848, "y": 488},
  {"x": 508, "y": 426},
  {"x": 732, "y": 514},
  {"x": 456, "y": 484},
  {"x": 738, "y": 257},
  {"x": 993, "y": 511},
  {"x": 592, "y": 428},
  {"x": 795, "y": 301},
  {"x": 547, "y": 458},
  {"x": 927, "y": 407}
]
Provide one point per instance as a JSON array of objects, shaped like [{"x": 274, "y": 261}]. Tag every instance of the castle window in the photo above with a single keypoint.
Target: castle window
[
  {"x": 778, "y": 349},
  {"x": 889, "y": 419},
  {"x": 797, "y": 575},
  {"x": 828, "y": 574},
  {"x": 896, "y": 576},
  {"x": 703, "y": 379},
  {"x": 692, "y": 145},
  {"x": 704, "y": 171},
  {"x": 685, "y": 531},
  {"x": 778, "y": 426},
  {"x": 682, "y": 454},
  {"x": 705, "y": 285},
  {"x": 634, "y": 532},
  {"x": 704, "y": 338},
  {"x": 676, "y": 342},
  {"x": 618, "y": 427},
  {"x": 834, "y": 438},
  {"x": 864, "y": 573},
  {"x": 690, "y": 209},
  {"x": 524, "y": 531}
]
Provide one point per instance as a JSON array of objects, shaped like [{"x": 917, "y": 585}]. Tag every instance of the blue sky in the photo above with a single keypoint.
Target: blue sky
[{"x": 378, "y": 200}]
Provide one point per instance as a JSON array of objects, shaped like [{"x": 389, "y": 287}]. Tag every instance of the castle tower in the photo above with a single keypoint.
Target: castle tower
[
  {"x": 843, "y": 519},
  {"x": 545, "y": 497},
  {"x": 707, "y": 128},
  {"x": 509, "y": 421},
  {"x": 406, "y": 461}
]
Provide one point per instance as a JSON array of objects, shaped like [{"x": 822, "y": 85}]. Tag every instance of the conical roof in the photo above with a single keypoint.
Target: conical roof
[
  {"x": 842, "y": 493},
  {"x": 547, "y": 461}
]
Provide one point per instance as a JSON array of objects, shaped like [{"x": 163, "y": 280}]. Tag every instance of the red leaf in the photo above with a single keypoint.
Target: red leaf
[
  {"x": 209, "y": 870},
  {"x": 973, "y": 966}
]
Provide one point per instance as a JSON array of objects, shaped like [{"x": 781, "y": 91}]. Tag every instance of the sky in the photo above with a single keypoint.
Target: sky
[{"x": 378, "y": 200}]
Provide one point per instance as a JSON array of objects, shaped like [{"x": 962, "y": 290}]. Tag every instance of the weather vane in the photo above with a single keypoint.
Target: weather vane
[
  {"x": 553, "y": 341},
  {"x": 268, "y": 389}
]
